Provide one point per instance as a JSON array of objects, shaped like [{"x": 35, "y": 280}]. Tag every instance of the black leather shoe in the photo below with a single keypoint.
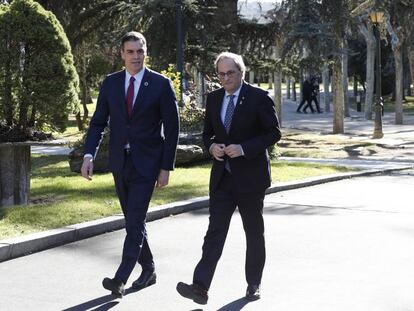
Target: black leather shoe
[
  {"x": 253, "y": 292},
  {"x": 147, "y": 278},
  {"x": 115, "y": 286},
  {"x": 194, "y": 292}
]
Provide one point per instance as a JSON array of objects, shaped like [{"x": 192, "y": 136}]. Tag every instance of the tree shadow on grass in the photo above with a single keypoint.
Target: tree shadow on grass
[
  {"x": 50, "y": 166},
  {"x": 359, "y": 150},
  {"x": 78, "y": 193},
  {"x": 3, "y": 212}
]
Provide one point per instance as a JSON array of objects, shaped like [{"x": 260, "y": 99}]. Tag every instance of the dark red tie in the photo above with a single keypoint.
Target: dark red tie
[{"x": 130, "y": 95}]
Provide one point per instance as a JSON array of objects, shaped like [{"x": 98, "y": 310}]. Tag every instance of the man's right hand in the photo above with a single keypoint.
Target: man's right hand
[
  {"x": 217, "y": 151},
  {"x": 87, "y": 168}
]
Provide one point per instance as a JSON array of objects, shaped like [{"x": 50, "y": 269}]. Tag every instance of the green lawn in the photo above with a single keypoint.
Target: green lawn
[
  {"x": 72, "y": 133},
  {"x": 60, "y": 197},
  {"x": 408, "y": 105}
]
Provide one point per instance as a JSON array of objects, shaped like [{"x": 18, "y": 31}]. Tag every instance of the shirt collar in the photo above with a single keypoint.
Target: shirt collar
[
  {"x": 236, "y": 94},
  {"x": 137, "y": 76}
]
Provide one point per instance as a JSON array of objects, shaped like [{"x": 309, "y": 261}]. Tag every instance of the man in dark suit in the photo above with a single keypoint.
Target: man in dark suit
[
  {"x": 314, "y": 96},
  {"x": 240, "y": 124},
  {"x": 140, "y": 106},
  {"x": 307, "y": 90}
]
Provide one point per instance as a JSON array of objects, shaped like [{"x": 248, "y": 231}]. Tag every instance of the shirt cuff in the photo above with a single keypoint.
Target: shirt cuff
[{"x": 87, "y": 155}]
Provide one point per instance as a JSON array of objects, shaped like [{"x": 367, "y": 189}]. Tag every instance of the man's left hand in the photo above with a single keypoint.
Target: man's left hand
[
  {"x": 233, "y": 151},
  {"x": 163, "y": 177}
]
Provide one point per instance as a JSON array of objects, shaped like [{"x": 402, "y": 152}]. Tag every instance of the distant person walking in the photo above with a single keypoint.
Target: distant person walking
[
  {"x": 314, "y": 96},
  {"x": 307, "y": 89}
]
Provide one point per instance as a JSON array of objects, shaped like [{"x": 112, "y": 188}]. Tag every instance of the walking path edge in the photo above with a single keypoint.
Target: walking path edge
[{"x": 21, "y": 246}]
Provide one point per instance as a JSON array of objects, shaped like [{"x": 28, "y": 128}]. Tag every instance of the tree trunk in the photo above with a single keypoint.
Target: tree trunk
[
  {"x": 355, "y": 86},
  {"x": 300, "y": 85},
  {"x": 345, "y": 79},
  {"x": 294, "y": 95},
  {"x": 277, "y": 79},
  {"x": 288, "y": 81},
  {"x": 294, "y": 90},
  {"x": 24, "y": 98},
  {"x": 411, "y": 60},
  {"x": 8, "y": 105},
  {"x": 270, "y": 81},
  {"x": 227, "y": 18},
  {"x": 251, "y": 76},
  {"x": 202, "y": 89},
  {"x": 14, "y": 174},
  {"x": 368, "y": 33},
  {"x": 79, "y": 121},
  {"x": 84, "y": 93},
  {"x": 85, "y": 113},
  {"x": 32, "y": 119},
  {"x": 407, "y": 83},
  {"x": 338, "y": 89},
  {"x": 398, "y": 85},
  {"x": 325, "y": 81}
]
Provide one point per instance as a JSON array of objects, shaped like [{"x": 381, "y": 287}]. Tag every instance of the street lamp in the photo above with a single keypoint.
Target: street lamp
[
  {"x": 180, "y": 52},
  {"x": 377, "y": 18}
]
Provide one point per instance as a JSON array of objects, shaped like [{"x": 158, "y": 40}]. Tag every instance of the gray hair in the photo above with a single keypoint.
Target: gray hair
[{"x": 238, "y": 60}]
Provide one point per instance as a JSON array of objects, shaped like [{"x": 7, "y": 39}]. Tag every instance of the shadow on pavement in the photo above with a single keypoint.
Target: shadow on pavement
[
  {"x": 235, "y": 305},
  {"x": 106, "y": 306},
  {"x": 102, "y": 303}
]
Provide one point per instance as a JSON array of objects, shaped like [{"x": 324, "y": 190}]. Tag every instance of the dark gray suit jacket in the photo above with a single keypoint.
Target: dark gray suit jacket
[{"x": 254, "y": 125}]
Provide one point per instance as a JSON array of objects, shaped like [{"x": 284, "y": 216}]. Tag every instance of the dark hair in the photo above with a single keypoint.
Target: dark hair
[{"x": 133, "y": 36}]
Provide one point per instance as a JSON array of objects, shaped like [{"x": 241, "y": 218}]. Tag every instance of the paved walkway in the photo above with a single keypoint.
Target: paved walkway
[
  {"x": 338, "y": 246},
  {"x": 360, "y": 128},
  {"x": 355, "y": 125},
  {"x": 314, "y": 263}
]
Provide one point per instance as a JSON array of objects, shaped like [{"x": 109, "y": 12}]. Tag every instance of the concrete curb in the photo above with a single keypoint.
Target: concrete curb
[{"x": 21, "y": 246}]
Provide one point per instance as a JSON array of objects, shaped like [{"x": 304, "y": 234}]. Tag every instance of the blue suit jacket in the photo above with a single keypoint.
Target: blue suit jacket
[
  {"x": 152, "y": 130},
  {"x": 254, "y": 126}
]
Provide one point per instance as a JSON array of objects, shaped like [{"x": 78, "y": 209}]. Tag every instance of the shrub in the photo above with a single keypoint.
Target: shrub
[
  {"x": 175, "y": 78},
  {"x": 191, "y": 118},
  {"x": 38, "y": 79}
]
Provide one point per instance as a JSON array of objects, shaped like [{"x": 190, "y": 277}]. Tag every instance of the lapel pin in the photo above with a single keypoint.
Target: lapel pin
[{"x": 145, "y": 83}]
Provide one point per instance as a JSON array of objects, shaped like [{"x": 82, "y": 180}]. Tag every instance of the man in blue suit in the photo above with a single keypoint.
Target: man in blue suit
[
  {"x": 140, "y": 107},
  {"x": 240, "y": 124}
]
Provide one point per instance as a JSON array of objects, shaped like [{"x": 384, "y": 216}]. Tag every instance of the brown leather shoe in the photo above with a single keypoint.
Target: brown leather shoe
[
  {"x": 115, "y": 286},
  {"x": 147, "y": 278},
  {"x": 253, "y": 292},
  {"x": 194, "y": 292}
]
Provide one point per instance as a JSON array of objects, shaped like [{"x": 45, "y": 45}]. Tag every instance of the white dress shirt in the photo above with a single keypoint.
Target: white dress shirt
[
  {"x": 137, "y": 83},
  {"x": 226, "y": 100}
]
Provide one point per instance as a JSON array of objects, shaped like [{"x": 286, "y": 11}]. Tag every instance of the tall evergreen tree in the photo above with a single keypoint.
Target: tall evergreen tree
[{"x": 37, "y": 68}]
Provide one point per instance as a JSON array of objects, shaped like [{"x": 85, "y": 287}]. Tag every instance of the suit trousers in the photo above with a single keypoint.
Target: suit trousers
[
  {"x": 134, "y": 193},
  {"x": 308, "y": 101},
  {"x": 223, "y": 202}
]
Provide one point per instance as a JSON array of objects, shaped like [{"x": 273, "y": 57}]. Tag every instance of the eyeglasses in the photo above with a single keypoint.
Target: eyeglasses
[{"x": 229, "y": 74}]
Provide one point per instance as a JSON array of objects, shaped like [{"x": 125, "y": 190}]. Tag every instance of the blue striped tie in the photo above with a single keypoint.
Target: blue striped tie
[
  {"x": 227, "y": 122},
  {"x": 229, "y": 113}
]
